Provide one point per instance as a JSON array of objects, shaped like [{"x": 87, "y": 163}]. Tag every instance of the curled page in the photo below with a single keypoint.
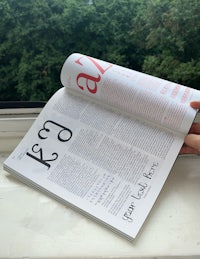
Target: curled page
[{"x": 154, "y": 99}]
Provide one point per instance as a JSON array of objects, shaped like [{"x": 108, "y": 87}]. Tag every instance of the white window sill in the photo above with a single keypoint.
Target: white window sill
[{"x": 14, "y": 123}]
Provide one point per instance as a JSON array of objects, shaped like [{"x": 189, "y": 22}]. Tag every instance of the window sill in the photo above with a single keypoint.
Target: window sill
[{"x": 14, "y": 123}]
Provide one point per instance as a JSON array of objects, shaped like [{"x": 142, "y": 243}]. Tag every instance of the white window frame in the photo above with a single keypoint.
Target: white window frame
[{"x": 14, "y": 123}]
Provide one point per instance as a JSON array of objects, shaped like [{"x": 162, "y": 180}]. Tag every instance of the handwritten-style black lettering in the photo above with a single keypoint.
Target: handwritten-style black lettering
[
  {"x": 141, "y": 188},
  {"x": 128, "y": 215},
  {"x": 151, "y": 171}
]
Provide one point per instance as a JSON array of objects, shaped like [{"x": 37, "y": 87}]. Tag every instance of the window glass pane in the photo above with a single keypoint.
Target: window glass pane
[{"x": 157, "y": 37}]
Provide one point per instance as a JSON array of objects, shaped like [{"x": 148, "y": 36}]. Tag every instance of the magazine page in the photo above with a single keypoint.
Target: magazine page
[
  {"x": 145, "y": 96},
  {"x": 96, "y": 159}
]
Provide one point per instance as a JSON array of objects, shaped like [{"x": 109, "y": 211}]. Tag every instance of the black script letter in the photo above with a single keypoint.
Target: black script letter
[
  {"x": 59, "y": 133},
  {"x": 40, "y": 158}
]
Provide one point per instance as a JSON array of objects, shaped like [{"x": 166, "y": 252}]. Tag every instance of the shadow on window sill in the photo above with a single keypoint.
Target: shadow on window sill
[{"x": 21, "y": 104}]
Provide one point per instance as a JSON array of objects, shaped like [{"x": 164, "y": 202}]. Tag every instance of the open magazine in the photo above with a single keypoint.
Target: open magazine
[{"x": 105, "y": 143}]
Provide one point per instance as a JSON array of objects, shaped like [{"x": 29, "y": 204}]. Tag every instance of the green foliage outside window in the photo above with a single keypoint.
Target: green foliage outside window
[{"x": 159, "y": 37}]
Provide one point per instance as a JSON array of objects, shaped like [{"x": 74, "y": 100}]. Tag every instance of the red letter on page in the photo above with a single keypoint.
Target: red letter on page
[
  {"x": 88, "y": 78},
  {"x": 100, "y": 68}
]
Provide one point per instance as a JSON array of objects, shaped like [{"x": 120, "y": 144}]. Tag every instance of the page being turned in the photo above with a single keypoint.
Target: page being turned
[{"x": 148, "y": 97}]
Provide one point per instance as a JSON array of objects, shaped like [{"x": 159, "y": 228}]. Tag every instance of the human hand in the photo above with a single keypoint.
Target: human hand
[{"x": 192, "y": 140}]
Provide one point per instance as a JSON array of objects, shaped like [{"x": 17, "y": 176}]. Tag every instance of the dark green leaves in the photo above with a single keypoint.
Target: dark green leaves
[{"x": 158, "y": 37}]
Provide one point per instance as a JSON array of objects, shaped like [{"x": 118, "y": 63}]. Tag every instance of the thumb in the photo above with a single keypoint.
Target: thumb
[
  {"x": 193, "y": 141},
  {"x": 195, "y": 104}
]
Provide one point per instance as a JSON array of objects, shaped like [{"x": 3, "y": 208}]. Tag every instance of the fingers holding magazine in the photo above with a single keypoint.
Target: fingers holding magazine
[{"x": 192, "y": 140}]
